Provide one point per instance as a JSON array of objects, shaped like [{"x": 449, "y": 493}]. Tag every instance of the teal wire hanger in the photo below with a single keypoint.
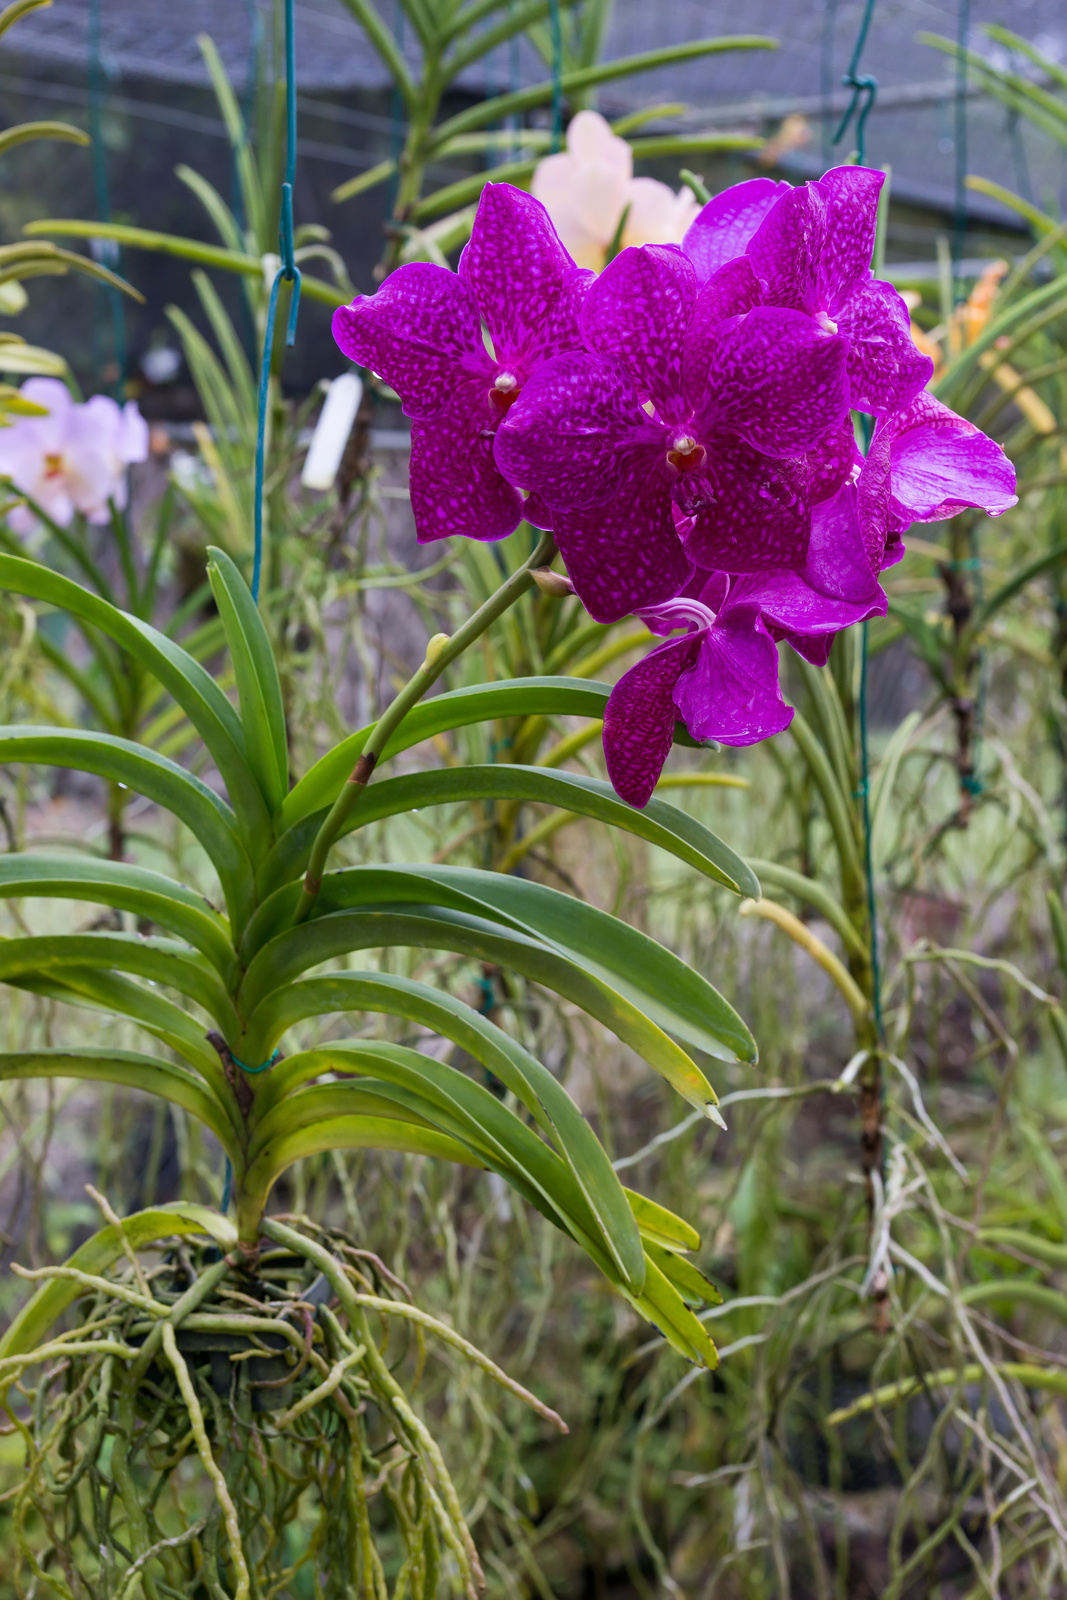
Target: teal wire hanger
[
  {"x": 864, "y": 92},
  {"x": 288, "y": 272}
]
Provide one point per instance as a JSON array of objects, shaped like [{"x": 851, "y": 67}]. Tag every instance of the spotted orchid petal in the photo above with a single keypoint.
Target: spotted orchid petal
[
  {"x": 724, "y": 227},
  {"x": 885, "y": 368},
  {"x": 626, "y": 554},
  {"x": 522, "y": 294},
  {"x": 940, "y": 464},
  {"x": 637, "y": 312},
  {"x": 571, "y": 433},
  {"x": 421, "y": 332},
  {"x": 776, "y": 379}
]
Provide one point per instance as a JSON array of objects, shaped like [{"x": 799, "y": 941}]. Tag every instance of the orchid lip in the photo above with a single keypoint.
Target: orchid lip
[
  {"x": 686, "y": 455},
  {"x": 505, "y": 390},
  {"x": 677, "y": 613}
]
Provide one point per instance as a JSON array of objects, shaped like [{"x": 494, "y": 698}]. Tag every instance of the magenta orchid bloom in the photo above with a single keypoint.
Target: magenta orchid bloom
[
  {"x": 680, "y": 401},
  {"x": 422, "y": 333},
  {"x": 810, "y": 250},
  {"x": 75, "y": 458},
  {"x": 720, "y": 678}
]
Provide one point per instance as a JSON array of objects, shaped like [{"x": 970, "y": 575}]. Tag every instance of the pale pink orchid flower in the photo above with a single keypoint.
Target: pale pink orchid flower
[
  {"x": 75, "y": 458},
  {"x": 586, "y": 189}
]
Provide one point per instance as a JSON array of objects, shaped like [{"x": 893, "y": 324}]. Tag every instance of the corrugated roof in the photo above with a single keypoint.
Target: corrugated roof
[{"x": 912, "y": 127}]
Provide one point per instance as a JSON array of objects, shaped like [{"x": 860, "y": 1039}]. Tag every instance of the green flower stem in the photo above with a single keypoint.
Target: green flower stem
[{"x": 436, "y": 662}]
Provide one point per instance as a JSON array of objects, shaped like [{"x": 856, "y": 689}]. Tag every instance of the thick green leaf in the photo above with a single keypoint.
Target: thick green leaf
[
  {"x": 447, "y": 1101},
  {"x": 394, "y": 1132},
  {"x": 501, "y": 106},
  {"x": 109, "y": 991},
  {"x": 662, "y": 1304},
  {"x": 258, "y": 685},
  {"x": 152, "y": 775},
  {"x": 659, "y": 823},
  {"x": 542, "y": 1094},
  {"x": 484, "y": 702},
  {"x": 664, "y": 987},
  {"x": 165, "y": 1079},
  {"x": 100, "y": 1252},
  {"x": 660, "y": 1225},
  {"x": 160, "y": 961},
  {"x": 601, "y": 1203},
  {"x": 184, "y": 678},
  {"x": 208, "y": 255},
  {"x": 687, "y": 1279},
  {"x": 668, "y": 991},
  {"x": 443, "y": 928},
  {"x": 151, "y": 895}
]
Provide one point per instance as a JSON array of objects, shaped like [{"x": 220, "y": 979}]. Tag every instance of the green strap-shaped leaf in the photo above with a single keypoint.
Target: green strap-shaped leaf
[
  {"x": 511, "y": 697},
  {"x": 161, "y": 961},
  {"x": 144, "y": 1228},
  {"x": 659, "y": 823},
  {"x": 543, "y": 1095},
  {"x": 165, "y": 1079},
  {"x": 154, "y": 776},
  {"x": 147, "y": 894},
  {"x": 185, "y": 679},
  {"x": 660, "y": 1225},
  {"x": 110, "y": 991},
  {"x": 669, "y": 991},
  {"x": 662, "y": 1304},
  {"x": 687, "y": 1279},
  {"x": 258, "y": 685},
  {"x": 441, "y": 928},
  {"x": 606, "y": 1211},
  {"x": 361, "y": 1132}
]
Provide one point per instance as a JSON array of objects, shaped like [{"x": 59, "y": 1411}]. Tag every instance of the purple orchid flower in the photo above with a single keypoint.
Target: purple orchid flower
[
  {"x": 720, "y": 678},
  {"x": 940, "y": 465},
  {"x": 682, "y": 400},
  {"x": 422, "y": 332},
  {"x": 810, "y": 249},
  {"x": 838, "y": 586}
]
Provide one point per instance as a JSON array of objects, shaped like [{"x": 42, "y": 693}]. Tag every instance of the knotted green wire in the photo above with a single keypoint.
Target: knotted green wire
[
  {"x": 288, "y": 272},
  {"x": 865, "y": 87}
]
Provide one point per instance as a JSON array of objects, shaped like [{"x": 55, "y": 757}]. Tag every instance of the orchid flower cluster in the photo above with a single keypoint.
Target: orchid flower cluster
[
  {"x": 683, "y": 424},
  {"x": 73, "y": 458}
]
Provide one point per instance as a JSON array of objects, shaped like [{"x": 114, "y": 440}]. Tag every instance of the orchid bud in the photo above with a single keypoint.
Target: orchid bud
[
  {"x": 434, "y": 648},
  {"x": 557, "y": 584}
]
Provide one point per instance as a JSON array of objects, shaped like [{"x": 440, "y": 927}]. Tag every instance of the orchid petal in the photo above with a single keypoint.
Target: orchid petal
[
  {"x": 726, "y": 224},
  {"x": 834, "y": 460},
  {"x": 751, "y": 514},
  {"x": 639, "y": 719},
  {"x": 421, "y": 332},
  {"x": 732, "y": 291},
  {"x": 570, "y": 434},
  {"x": 885, "y": 367},
  {"x": 777, "y": 379},
  {"x": 456, "y": 487},
  {"x": 625, "y": 554},
  {"x": 637, "y": 311},
  {"x": 516, "y": 289},
  {"x": 941, "y": 464},
  {"x": 731, "y": 691}
]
